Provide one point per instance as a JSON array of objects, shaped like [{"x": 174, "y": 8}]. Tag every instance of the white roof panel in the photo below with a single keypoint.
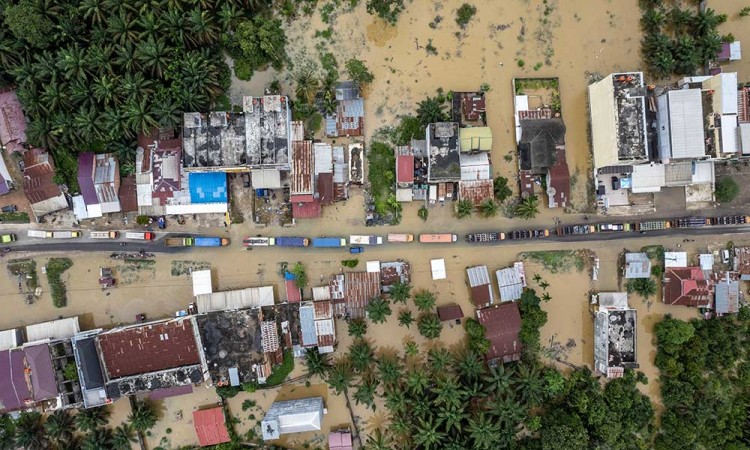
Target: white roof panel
[
  {"x": 202, "y": 282},
  {"x": 686, "y": 123},
  {"x": 55, "y": 329},
  {"x": 9, "y": 339},
  {"x": 438, "y": 269},
  {"x": 238, "y": 299},
  {"x": 675, "y": 259},
  {"x": 647, "y": 178},
  {"x": 729, "y": 133}
]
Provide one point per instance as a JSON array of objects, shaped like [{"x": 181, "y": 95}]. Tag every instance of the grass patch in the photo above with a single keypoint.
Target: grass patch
[
  {"x": 15, "y": 217},
  {"x": 557, "y": 260},
  {"x": 381, "y": 171},
  {"x": 654, "y": 253},
  {"x": 187, "y": 267},
  {"x": 55, "y": 269},
  {"x": 279, "y": 374},
  {"x": 25, "y": 268}
]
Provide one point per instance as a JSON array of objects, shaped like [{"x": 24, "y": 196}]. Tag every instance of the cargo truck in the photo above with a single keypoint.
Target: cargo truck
[
  {"x": 104, "y": 235},
  {"x": 328, "y": 242},
  {"x": 575, "y": 229},
  {"x": 652, "y": 225},
  {"x": 690, "y": 222},
  {"x": 210, "y": 242},
  {"x": 258, "y": 241},
  {"x": 39, "y": 234},
  {"x": 437, "y": 238},
  {"x": 140, "y": 235},
  {"x": 54, "y": 234},
  {"x": 485, "y": 237},
  {"x": 365, "y": 240},
  {"x": 8, "y": 238},
  {"x": 291, "y": 242},
  {"x": 400, "y": 238},
  {"x": 178, "y": 242}
]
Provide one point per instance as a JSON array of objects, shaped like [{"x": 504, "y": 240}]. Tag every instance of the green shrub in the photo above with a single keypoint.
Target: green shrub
[
  {"x": 726, "y": 190},
  {"x": 55, "y": 269},
  {"x": 358, "y": 72},
  {"x": 464, "y": 14},
  {"x": 279, "y": 373}
]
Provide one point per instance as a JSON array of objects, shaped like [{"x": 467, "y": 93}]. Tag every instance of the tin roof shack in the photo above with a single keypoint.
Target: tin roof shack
[
  {"x": 349, "y": 119},
  {"x": 442, "y": 144},
  {"x": 360, "y": 287},
  {"x": 727, "y": 291},
  {"x": 392, "y": 272},
  {"x": 614, "y": 334},
  {"x": 511, "y": 281},
  {"x": 325, "y": 327},
  {"x": 340, "y": 174},
  {"x": 481, "y": 286},
  {"x": 741, "y": 262},
  {"x": 450, "y": 312},
  {"x": 309, "y": 337},
  {"x": 637, "y": 265},
  {"x": 476, "y": 191},
  {"x": 39, "y": 185},
  {"x": 237, "y": 299},
  {"x": 210, "y": 426},
  {"x": 292, "y": 416},
  {"x": 502, "y": 324},
  {"x": 337, "y": 289},
  {"x": 90, "y": 371},
  {"x": 149, "y": 356},
  {"x": 687, "y": 286},
  {"x": 99, "y": 181},
  {"x": 618, "y": 120},
  {"x": 469, "y": 109},
  {"x": 231, "y": 343},
  {"x": 12, "y": 123},
  {"x": 542, "y": 153},
  {"x": 303, "y": 168}
]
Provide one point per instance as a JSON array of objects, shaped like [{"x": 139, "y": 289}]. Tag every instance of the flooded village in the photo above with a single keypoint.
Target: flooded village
[{"x": 432, "y": 227}]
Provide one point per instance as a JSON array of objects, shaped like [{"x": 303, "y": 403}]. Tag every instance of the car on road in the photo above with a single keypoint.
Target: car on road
[
  {"x": 355, "y": 250},
  {"x": 9, "y": 208},
  {"x": 7, "y": 238}
]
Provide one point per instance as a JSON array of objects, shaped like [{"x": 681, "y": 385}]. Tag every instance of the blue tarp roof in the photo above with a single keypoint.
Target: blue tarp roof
[
  {"x": 289, "y": 275},
  {"x": 208, "y": 187}
]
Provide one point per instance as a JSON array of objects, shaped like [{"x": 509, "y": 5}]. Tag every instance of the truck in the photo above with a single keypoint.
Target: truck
[
  {"x": 140, "y": 235},
  {"x": 400, "y": 238},
  {"x": 178, "y": 242},
  {"x": 291, "y": 241},
  {"x": 575, "y": 230},
  {"x": 729, "y": 220},
  {"x": 365, "y": 240},
  {"x": 7, "y": 238},
  {"x": 210, "y": 241},
  {"x": 652, "y": 225},
  {"x": 328, "y": 242},
  {"x": 690, "y": 222},
  {"x": 485, "y": 237},
  {"x": 104, "y": 235},
  {"x": 528, "y": 234},
  {"x": 604, "y": 227},
  {"x": 437, "y": 238},
  {"x": 39, "y": 234},
  {"x": 258, "y": 241},
  {"x": 65, "y": 234}
]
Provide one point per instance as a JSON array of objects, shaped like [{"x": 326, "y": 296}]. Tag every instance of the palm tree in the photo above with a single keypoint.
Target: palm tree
[
  {"x": 452, "y": 418},
  {"x": 73, "y": 63},
  {"x": 378, "y": 310},
  {"x": 489, "y": 208},
  {"x": 507, "y": 410},
  {"x": 93, "y": 10},
  {"x": 428, "y": 434},
  {"x": 405, "y": 319},
  {"x": 365, "y": 392},
  {"x": 530, "y": 385},
  {"x": 357, "y": 327},
  {"x": 425, "y": 300},
  {"x": 99, "y": 439},
  {"x": 544, "y": 284},
  {"x": 75, "y": 444},
  {"x": 30, "y": 431},
  {"x": 497, "y": 380},
  {"x": 431, "y": 110},
  {"x": 395, "y": 400},
  {"x": 464, "y": 208},
  {"x": 361, "y": 355},
  {"x": 229, "y": 15},
  {"x": 546, "y": 297},
  {"x": 317, "y": 363},
  {"x": 59, "y": 425},
  {"x": 306, "y": 85},
  {"x": 91, "y": 419},
  {"x": 448, "y": 392},
  {"x": 417, "y": 381},
  {"x": 537, "y": 278},
  {"x": 484, "y": 431},
  {"x": 429, "y": 325},
  {"x": 378, "y": 441},
  {"x": 143, "y": 417},
  {"x": 528, "y": 208},
  {"x": 122, "y": 27},
  {"x": 122, "y": 437},
  {"x": 439, "y": 360},
  {"x": 400, "y": 292},
  {"x": 706, "y": 21},
  {"x": 411, "y": 349},
  {"x": 139, "y": 116},
  {"x": 390, "y": 370},
  {"x": 341, "y": 375},
  {"x": 470, "y": 366},
  {"x": 400, "y": 426},
  {"x": 153, "y": 56},
  {"x": 652, "y": 21},
  {"x": 202, "y": 27},
  {"x": 329, "y": 102},
  {"x": 7, "y": 433}
]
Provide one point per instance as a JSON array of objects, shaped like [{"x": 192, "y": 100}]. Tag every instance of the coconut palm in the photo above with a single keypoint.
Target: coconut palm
[
  {"x": 470, "y": 366},
  {"x": 7, "y": 433},
  {"x": 30, "y": 431},
  {"x": 91, "y": 419},
  {"x": 464, "y": 208},
  {"x": 544, "y": 284},
  {"x": 122, "y": 437},
  {"x": 378, "y": 310},
  {"x": 400, "y": 292},
  {"x": 390, "y": 370},
  {"x": 530, "y": 385},
  {"x": 484, "y": 431},
  {"x": 378, "y": 441},
  {"x": 361, "y": 355},
  {"x": 317, "y": 363},
  {"x": 425, "y": 300},
  {"x": 507, "y": 410},
  {"x": 411, "y": 349},
  {"x": 431, "y": 110},
  {"x": 59, "y": 425},
  {"x": 417, "y": 381},
  {"x": 357, "y": 327},
  {"x": 329, "y": 102},
  {"x": 341, "y": 375},
  {"x": 429, "y": 325},
  {"x": 405, "y": 318},
  {"x": 546, "y": 297},
  {"x": 365, "y": 391},
  {"x": 395, "y": 400},
  {"x": 142, "y": 417},
  {"x": 439, "y": 360},
  {"x": 428, "y": 434},
  {"x": 537, "y": 278},
  {"x": 306, "y": 85},
  {"x": 452, "y": 418},
  {"x": 528, "y": 208},
  {"x": 497, "y": 380},
  {"x": 99, "y": 439},
  {"x": 448, "y": 392},
  {"x": 489, "y": 208}
]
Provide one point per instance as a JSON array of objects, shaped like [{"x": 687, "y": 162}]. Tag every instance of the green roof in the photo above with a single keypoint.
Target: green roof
[{"x": 475, "y": 138}]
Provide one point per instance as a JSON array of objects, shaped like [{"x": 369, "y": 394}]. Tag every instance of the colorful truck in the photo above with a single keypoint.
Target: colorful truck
[
  {"x": 54, "y": 234},
  {"x": 258, "y": 241},
  {"x": 104, "y": 235},
  {"x": 400, "y": 237},
  {"x": 356, "y": 239},
  {"x": 210, "y": 242},
  {"x": 140, "y": 235},
  {"x": 437, "y": 238},
  {"x": 7, "y": 238},
  {"x": 328, "y": 242},
  {"x": 485, "y": 237},
  {"x": 288, "y": 241},
  {"x": 178, "y": 242}
]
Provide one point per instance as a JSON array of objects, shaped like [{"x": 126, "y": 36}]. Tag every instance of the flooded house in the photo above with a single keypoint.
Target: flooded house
[
  {"x": 502, "y": 324},
  {"x": 349, "y": 118},
  {"x": 727, "y": 293},
  {"x": 615, "y": 346},
  {"x": 158, "y": 171},
  {"x": 210, "y": 426},
  {"x": 637, "y": 265},
  {"x": 359, "y": 289},
  {"x": 304, "y": 202},
  {"x": 541, "y": 149},
  {"x": 687, "y": 286},
  {"x": 292, "y": 416},
  {"x": 99, "y": 182},
  {"x": 444, "y": 164},
  {"x": 481, "y": 286},
  {"x": 44, "y": 195},
  {"x": 511, "y": 281}
]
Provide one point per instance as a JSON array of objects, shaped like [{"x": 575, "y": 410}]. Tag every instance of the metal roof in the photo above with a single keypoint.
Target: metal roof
[
  {"x": 438, "y": 269},
  {"x": 637, "y": 265},
  {"x": 55, "y": 329},
  {"x": 727, "y": 291},
  {"x": 475, "y": 139},
  {"x": 307, "y": 323},
  {"x": 502, "y": 324},
  {"x": 208, "y": 187},
  {"x": 236, "y": 299},
  {"x": 43, "y": 381},
  {"x": 478, "y": 276},
  {"x": 301, "y": 178},
  {"x": 202, "y": 282},
  {"x": 686, "y": 123},
  {"x": 292, "y": 416},
  {"x": 210, "y": 426},
  {"x": 511, "y": 282}
]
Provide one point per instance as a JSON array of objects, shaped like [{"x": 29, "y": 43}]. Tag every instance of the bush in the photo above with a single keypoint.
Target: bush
[
  {"x": 502, "y": 191},
  {"x": 423, "y": 213},
  {"x": 227, "y": 391},
  {"x": 726, "y": 190},
  {"x": 255, "y": 44},
  {"x": 279, "y": 373},
  {"x": 387, "y": 10},
  {"x": 464, "y": 14},
  {"x": 351, "y": 263},
  {"x": 142, "y": 220},
  {"x": 300, "y": 275},
  {"x": 409, "y": 128},
  {"x": 645, "y": 287},
  {"x": 358, "y": 72},
  {"x": 70, "y": 371},
  {"x": 55, "y": 269}
]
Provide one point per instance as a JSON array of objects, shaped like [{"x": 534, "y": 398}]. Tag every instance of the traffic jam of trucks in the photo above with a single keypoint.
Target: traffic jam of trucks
[{"x": 196, "y": 242}]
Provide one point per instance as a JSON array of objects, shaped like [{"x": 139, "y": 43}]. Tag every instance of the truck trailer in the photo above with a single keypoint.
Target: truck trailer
[
  {"x": 210, "y": 242},
  {"x": 356, "y": 239},
  {"x": 178, "y": 242},
  {"x": 328, "y": 242},
  {"x": 437, "y": 238},
  {"x": 400, "y": 237},
  {"x": 140, "y": 235},
  {"x": 104, "y": 235},
  {"x": 289, "y": 241}
]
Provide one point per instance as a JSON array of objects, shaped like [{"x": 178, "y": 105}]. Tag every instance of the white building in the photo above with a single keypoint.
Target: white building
[{"x": 292, "y": 416}]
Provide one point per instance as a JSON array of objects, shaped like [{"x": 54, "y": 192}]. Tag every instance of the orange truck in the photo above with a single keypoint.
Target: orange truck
[{"x": 438, "y": 238}]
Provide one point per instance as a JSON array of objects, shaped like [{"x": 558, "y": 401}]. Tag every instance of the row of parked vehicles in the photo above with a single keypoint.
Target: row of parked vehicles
[{"x": 356, "y": 242}]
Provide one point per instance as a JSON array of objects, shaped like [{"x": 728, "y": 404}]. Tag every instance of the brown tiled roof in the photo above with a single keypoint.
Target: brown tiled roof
[
  {"x": 325, "y": 188},
  {"x": 128, "y": 195},
  {"x": 687, "y": 286},
  {"x": 12, "y": 120},
  {"x": 323, "y": 309},
  {"x": 149, "y": 348},
  {"x": 360, "y": 288},
  {"x": 482, "y": 295},
  {"x": 502, "y": 323},
  {"x": 450, "y": 312},
  {"x": 38, "y": 176}
]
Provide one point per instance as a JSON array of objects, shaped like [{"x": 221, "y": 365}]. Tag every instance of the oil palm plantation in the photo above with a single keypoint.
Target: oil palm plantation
[
  {"x": 425, "y": 300},
  {"x": 341, "y": 375},
  {"x": 99, "y": 439},
  {"x": 429, "y": 325},
  {"x": 142, "y": 417},
  {"x": 378, "y": 441},
  {"x": 7, "y": 433},
  {"x": 405, "y": 319},
  {"x": 365, "y": 391},
  {"x": 464, "y": 208},
  {"x": 439, "y": 360},
  {"x": 390, "y": 370},
  {"x": 123, "y": 436},
  {"x": 30, "y": 432},
  {"x": 92, "y": 418},
  {"x": 484, "y": 431},
  {"x": 357, "y": 327},
  {"x": 361, "y": 355}
]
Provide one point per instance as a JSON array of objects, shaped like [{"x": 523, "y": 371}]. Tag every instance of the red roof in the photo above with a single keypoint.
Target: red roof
[
  {"x": 340, "y": 440},
  {"x": 128, "y": 195},
  {"x": 325, "y": 188},
  {"x": 210, "y": 426},
  {"x": 293, "y": 293},
  {"x": 405, "y": 169},
  {"x": 472, "y": 105},
  {"x": 559, "y": 181},
  {"x": 306, "y": 210},
  {"x": 306, "y": 198},
  {"x": 687, "y": 286},
  {"x": 502, "y": 323},
  {"x": 476, "y": 191},
  {"x": 38, "y": 176},
  {"x": 450, "y": 312}
]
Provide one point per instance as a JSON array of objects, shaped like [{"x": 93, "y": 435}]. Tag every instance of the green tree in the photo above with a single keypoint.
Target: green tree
[
  {"x": 405, "y": 318},
  {"x": 439, "y": 360},
  {"x": 366, "y": 390},
  {"x": 361, "y": 355},
  {"x": 484, "y": 431},
  {"x": 59, "y": 425},
  {"x": 475, "y": 332},
  {"x": 464, "y": 208},
  {"x": 409, "y": 128},
  {"x": 142, "y": 417},
  {"x": 560, "y": 429},
  {"x": 92, "y": 418},
  {"x": 378, "y": 309},
  {"x": 29, "y": 24},
  {"x": 726, "y": 189},
  {"x": 423, "y": 213},
  {"x": 358, "y": 72},
  {"x": 98, "y": 439},
  {"x": 7, "y": 433},
  {"x": 464, "y": 14},
  {"x": 425, "y": 300},
  {"x": 341, "y": 375},
  {"x": 431, "y": 110},
  {"x": 30, "y": 431},
  {"x": 378, "y": 441},
  {"x": 306, "y": 85},
  {"x": 256, "y": 43},
  {"x": 429, "y": 325},
  {"x": 502, "y": 191},
  {"x": 645, "y": 287},
  {"x": 387, "y": 10},
  {"x": 317, "y": 363},
  {"x": 123, "y": 436},
  {"x": 672, "y": 333},
  {"x": 357, "y": 327},
  {"x": 489, "y": 208},
  {"x": 528, "y": 208},
  {"x": 390, "y": 370},
  {"x": 300, "y": 275},
  {"x": 400, "y": 292}
]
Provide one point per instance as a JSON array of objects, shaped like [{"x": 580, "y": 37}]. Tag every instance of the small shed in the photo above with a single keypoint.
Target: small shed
[
  {"x": 438, "y": 269},
  {"x": 675, "y": 259},
  {"x": 210, "y": 426},
  {"x": 202, "y": 282},
  {"x": 450, "y": 312}
]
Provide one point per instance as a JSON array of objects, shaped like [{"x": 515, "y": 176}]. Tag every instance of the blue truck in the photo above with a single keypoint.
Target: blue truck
[
  {"x": 328, "y": 242},
  {"x": 291, "y": 242},
  {"x": 210, "y": 242}
]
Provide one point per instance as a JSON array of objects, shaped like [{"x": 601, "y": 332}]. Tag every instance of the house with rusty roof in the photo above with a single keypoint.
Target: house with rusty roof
[
  {"x": 541, "y": 150},
  {"x": 349, "y": 118},
  {"x": 469, "y": 109},
  {"x": 12, "y": 123},
  {"x": 359, "y": 289},
  {"x": 442, "y": 146},
  {"x": 99, "y": 182},
  {"x": 481, "y": 286},
  {"x": 392, "y": 272},
  {"x": 39, "y": 185},
  {"x": 502, "y": 325},
  {"x": 687, "y": 286},
  {"x": 325, "y": 326}
]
